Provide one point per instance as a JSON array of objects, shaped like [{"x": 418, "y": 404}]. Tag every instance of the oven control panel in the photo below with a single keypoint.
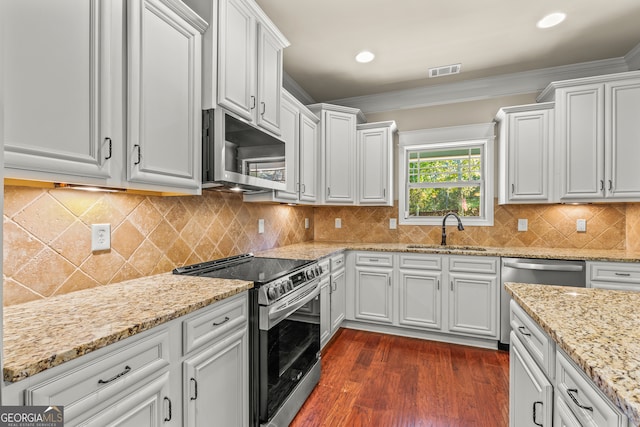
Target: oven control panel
[{"x": 272, "y": 291}]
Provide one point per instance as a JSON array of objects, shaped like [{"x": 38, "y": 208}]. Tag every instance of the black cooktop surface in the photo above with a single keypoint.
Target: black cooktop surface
[{"x": 245, "y": 267}]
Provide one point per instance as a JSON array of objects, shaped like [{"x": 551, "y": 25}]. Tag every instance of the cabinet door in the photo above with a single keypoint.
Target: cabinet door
[
  {"x": 59, "y": 95},
  {"x": 562, "y": 415},
  {"x": 580, "y": 138},
  {"x": 530, "y": 392},
  {"x": 420, "y": 299},
  {"x": 340, "y": 148},
  {"x": 269, "y": 80},
  {"x": 373, "y": 295},
  {"x": 338, "y": 299},
  {"x": 164, "y": 113},
  {"x": 374, "y": 169},
  {"x": 216, "y": 384},
  {"x": 237, "y": 58},
  {"x": 473, "y": 304},
  {"x": 290, "y": 133},
  {"x": 147, "y": 406},
  {"x": 308, "y": 160},
  {"x": 325, "y": 311},
  {"x": 528, "y": 163},
  {"x": 622, "y": 142}
]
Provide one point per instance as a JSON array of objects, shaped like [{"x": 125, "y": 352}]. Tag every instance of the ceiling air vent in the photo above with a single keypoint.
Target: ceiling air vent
[{"x": 444, "y": 71}]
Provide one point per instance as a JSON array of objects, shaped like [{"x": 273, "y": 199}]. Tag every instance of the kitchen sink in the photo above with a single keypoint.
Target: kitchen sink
[{"x": 448, "y": 248}]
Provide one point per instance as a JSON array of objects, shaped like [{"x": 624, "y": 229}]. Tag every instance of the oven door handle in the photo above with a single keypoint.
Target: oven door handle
[{"x": 281, "y": 312}]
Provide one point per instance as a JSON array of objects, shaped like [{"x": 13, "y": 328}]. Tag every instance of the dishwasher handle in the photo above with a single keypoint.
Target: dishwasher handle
[{"x": 543, "y": 267}]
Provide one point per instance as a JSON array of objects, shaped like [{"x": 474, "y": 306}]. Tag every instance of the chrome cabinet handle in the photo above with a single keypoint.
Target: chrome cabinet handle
[
  {"x": 195, "y": 388},
  {"x": 264, "y": 108},
  {"x": 623, "y": 274},
  {"x": 127, "y": 369},
  {"x": 522, "y": 330},
  {"x": 226, "y": 319},
  {"x": 170, "y": 416},
  {"x": 110, "y": 148},
  {"x": 513, "y": 188},
  {"x": 304, "y": 188},
  {"x": 610, "y": 185},
  {"x": 137, "y": 147},
  {"x": 452, "y": 285},
  {"x": 602, "y": 185},
  {"x": 534, "y": 413},
  {"x": 253, "y": 102},
  {"x": 389, "y": 280},
  {"x": 571, "y": 392},
  {"x": 328, "y": 191}
]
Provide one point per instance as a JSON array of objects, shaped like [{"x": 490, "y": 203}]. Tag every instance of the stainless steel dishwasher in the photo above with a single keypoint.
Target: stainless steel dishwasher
[{"x": 536, "y": 271}]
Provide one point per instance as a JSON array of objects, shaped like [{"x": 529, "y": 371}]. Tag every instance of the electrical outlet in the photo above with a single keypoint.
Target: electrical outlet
[
  {"x": 393, "y": 223},
  {"x": 260, "y": 226},
  {"x": 306, "y": 223},
  {"x": 338, "y": 223},
  {"x": 100, "y": 237},
  {"x": 581, "y": 225},
  {"x": 523, "y": 224}
]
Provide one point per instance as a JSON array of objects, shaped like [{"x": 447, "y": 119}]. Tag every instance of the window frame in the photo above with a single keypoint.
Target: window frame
[{"x": 471, "y": 136}]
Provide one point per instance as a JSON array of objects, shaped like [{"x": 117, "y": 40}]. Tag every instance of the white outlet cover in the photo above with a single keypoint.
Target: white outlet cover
[
  {"x": 581, "y": 225},
  {"x": 338, "y": 223},
  {"x": 100, "y": 237},
  {"x": 393, "y": 223},
  {"x": 306, "y": 223},
  {"x": 261, "y": 226},
  {"x": 523, "y": 224}
]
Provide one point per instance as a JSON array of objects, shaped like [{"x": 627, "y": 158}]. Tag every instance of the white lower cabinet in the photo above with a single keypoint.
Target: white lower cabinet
[
  {"x": 190, "y": 371},
  {"x": 325, "y": 310},
  {"x": 530, "y": 392},
  {"x": 338, "y": 292},
  {"x": 216, "y": 384},
  {"x": 423, "y": 293}
]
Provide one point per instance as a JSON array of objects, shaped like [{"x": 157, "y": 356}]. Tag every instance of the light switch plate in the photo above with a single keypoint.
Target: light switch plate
[
  {"x": 100, "y": 237},
  {"x": 393, "y": 223},
  {"x": 338, "y": 223},
  {"x": 306, "y": 223},
  {"x": 260, "y": 226},
  {"x": 581, "y": 225},
  {"x": 523, "y": 224}
]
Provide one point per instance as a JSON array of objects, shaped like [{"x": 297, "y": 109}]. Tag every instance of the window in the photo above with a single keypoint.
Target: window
[{"x": 441, "y": 177}]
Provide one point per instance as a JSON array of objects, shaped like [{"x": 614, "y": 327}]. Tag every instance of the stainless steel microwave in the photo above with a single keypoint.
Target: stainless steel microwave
[{"x": 238, "y": 155}]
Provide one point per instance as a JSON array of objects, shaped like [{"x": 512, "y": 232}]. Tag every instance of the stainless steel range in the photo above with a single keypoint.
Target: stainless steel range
[{"x": 284, "y": 330}]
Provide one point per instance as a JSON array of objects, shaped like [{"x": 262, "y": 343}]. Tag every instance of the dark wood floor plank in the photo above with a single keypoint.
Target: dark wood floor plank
[{"x": 371, "y": 379}]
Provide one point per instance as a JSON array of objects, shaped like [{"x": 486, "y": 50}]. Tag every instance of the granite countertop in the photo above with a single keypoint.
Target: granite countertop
[
  {"x": 317, "y": 250},
  {"x": 42, "y": 334},
  {"x": 599, "y": 329}
]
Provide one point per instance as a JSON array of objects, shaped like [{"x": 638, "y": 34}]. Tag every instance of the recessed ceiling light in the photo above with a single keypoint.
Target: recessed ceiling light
[
  {"x": 365, "y": 56},
  {"x": 551, "y": 20}
]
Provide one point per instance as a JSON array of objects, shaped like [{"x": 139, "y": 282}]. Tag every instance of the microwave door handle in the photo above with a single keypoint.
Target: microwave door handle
[{"x": 283, "y": 312}]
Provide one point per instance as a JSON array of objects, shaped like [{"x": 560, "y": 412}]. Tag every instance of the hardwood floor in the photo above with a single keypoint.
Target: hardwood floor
[{"x": 371, "y": 380}]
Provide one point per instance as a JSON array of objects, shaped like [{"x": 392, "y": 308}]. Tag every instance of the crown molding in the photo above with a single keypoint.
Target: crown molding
[
  {"x": 484, "y": 88},
  {"x": 633, "y": 58},
  {"x": 296, "y": 90}
]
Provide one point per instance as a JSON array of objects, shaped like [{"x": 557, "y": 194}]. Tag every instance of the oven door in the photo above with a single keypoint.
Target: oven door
[{"x": 289, "y": 348}]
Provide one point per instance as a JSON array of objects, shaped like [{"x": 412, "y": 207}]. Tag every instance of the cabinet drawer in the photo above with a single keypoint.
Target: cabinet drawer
[
  {"x": 337, "y": 262},
  {"x": 421, "y": 262},
  {"x": 374, "y": 259},
  {"x": 214, "y": 322},
  {"x": 538, "y": 343},
  {"x": 617, "y": 272},
  {"x": 473, "y": 264},
  {"x": 586, "y": 402},
  {"x": 83, "y": 389}
]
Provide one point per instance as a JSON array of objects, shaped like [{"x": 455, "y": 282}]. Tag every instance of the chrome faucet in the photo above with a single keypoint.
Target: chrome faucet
[{"x": 444, "y": 230}]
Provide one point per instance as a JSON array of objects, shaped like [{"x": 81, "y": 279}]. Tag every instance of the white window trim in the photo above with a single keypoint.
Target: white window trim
[{"x": 449, "y": 137}]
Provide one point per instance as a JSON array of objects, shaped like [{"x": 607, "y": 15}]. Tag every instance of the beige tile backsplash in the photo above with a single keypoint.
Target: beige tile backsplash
[{"x": 47, "y": 237}]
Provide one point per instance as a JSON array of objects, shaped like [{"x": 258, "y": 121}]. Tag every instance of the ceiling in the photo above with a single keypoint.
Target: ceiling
[{"x": 488, "y": 37}]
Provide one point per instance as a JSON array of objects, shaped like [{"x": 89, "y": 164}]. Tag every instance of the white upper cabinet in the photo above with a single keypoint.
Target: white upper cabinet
[
  {"x": 338, "y": 171},
  {"x": 526, "y": 135},
  {"x": 308, "y": 159},
  {"x": 375, "y": 163},
  {"x": 597, "y": 137},
  {"x": 249, "y": 63},
  {"x": 164, "y": 107},
  {"x": 59, "y": 89},
  {"x": 119, "y": 99}
]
